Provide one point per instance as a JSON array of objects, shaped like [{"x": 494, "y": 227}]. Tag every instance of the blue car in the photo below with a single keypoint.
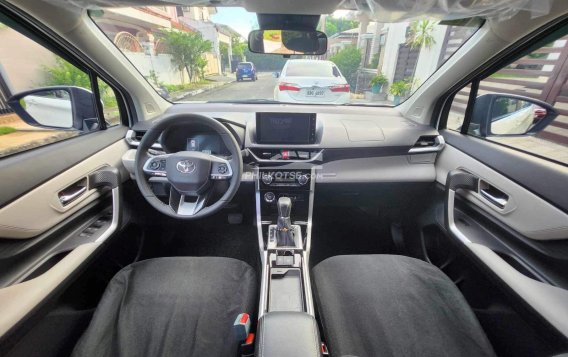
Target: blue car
[{"x": 246, "y": 70}]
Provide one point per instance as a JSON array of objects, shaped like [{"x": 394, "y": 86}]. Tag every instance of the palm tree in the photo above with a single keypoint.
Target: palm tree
[{"x": 421, "y": 34}]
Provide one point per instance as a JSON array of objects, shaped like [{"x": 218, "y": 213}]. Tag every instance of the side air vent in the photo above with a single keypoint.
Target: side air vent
[
  {"x": 133, "y": 139},
  {"x": 428, "y": 144}
]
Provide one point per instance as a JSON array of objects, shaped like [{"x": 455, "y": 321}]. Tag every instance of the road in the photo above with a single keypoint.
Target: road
[{"x": 263, "y": 88}]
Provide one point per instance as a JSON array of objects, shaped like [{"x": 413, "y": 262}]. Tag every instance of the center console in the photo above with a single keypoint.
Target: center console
[
  {"x": 285, "y": 176},
  {"x": 284, "y": 214}
]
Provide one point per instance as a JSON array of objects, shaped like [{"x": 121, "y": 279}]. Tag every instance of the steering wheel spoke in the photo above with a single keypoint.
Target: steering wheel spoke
[
  {"x": 156, "y": 165},
  {"x": 187, "y": 205},
  {"x": 220, "y": 168}
]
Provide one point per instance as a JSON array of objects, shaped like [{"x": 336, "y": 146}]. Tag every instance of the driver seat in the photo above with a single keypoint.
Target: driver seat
[{"x": 180, "y": 306}]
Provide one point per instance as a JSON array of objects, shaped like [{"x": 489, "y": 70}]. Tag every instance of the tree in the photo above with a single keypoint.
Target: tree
[
  {"x": 224, "y": 50},
  {"x": 64, "y": 73},
  {"x": 335, "y": 25},
  {"x": 239, "y": 48},
  {"x": 421, "y": 34},
  {"x": 187, "y": 50},
  {"x": 348, "y": 61},
  {"x": 267, "y": 63}
]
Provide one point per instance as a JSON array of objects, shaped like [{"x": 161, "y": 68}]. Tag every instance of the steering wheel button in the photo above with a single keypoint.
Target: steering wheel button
[
  {"x": 222, "y": 169},
  {"x": 154, "y": 165}
]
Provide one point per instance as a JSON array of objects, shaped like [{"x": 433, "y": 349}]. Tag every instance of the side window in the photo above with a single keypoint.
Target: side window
[
  {"x": 523, "y": 105},
  {"x": 43, "y": 97},
  {"x": 111, "y": 112},
  {"x": 457, "y": 110}
]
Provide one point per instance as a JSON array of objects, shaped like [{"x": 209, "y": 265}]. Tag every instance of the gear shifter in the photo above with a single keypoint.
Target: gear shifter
[{"x": 284, "y": 232}]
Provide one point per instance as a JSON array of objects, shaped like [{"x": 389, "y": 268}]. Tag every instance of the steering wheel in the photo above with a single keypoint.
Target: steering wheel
[{"x": 191, "y": 174}]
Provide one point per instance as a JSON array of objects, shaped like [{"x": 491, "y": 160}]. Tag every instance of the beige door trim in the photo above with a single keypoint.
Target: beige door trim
[{"x": 40, "y": 209}]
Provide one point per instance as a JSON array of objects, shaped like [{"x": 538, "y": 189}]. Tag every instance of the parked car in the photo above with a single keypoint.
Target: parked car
[
  {"x": 246, "y": 70},
  {"x": 311, "y": 81}
]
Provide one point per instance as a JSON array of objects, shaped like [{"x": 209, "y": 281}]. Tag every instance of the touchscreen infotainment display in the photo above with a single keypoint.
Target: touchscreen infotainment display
[{"x": 285, "y": 128}]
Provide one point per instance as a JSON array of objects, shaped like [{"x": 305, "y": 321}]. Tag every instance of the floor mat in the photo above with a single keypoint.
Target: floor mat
[
  {"x": 213, "y": 236},
  {"x": 343, "y": 231}
]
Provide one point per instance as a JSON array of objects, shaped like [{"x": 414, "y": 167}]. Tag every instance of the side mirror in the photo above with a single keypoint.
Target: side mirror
[
  {"x": 276, "y": 74},
  {"x": 58, "y": 107},
  {"x": 508, "y": 115},
  {"x": 287, "y": 42}
]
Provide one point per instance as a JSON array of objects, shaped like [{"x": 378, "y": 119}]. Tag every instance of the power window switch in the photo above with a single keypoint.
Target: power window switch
[{"x": 90, "y": 230}]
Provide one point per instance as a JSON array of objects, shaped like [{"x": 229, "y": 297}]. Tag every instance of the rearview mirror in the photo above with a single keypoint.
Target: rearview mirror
[
  {"x": 287, "y": 42},
  {"x": 508, "y": 115},
  {"x": 58, "y": 107}
]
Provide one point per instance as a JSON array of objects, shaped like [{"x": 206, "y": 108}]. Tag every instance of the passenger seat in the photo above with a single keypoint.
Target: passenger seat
[{"x": 388, "y": 305}]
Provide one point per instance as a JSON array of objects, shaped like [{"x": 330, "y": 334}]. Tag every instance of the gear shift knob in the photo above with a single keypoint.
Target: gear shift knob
[
  {"x": 284, "y": 235},
  {"x": 284, "y": 207}
]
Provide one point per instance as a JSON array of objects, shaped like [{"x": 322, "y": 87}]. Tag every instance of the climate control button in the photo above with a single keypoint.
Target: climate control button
[
  {"x": 303, "y": 179},
  {"x": 267, "y": 178},
  {"x": 269, "y": 197}
]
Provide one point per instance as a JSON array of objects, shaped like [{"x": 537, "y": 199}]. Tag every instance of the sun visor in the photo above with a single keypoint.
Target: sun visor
[
  {"x": 403, "y": 10},
  {"x": 379, "y": 10}
]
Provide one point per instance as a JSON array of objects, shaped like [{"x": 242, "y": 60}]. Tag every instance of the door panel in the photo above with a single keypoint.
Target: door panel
[
  {"x": 22, "y": 172},
  {"x": 522, "y": 206},
  {"x": 40, "y": 209},
  {"x": 17, "y": 301},
  {"x": 528, "y": 252}
]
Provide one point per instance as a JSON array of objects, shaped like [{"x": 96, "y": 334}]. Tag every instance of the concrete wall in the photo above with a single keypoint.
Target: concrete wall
[
  {"x": 395, "y": 36},
  {"x": 161, "y": 64},
  {"x": 427, "y": 59},
  {"x": 23, "y": 60}
]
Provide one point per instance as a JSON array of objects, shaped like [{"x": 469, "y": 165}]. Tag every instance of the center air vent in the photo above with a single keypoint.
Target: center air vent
[{"x": 285, "y": 154}]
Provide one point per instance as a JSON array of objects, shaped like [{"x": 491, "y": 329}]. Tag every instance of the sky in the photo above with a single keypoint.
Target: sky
[
  {"x": 243, "y": 22},
  {"x": 237, "y": 18}
]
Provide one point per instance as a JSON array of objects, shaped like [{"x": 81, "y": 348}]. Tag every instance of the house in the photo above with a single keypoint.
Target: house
[
  {"x": 199, "y": 18},
  {"x": 135, "y": 32}
]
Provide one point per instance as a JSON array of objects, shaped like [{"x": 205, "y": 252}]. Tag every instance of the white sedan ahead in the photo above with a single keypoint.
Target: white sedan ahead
[{"x": 311, "y": 81}]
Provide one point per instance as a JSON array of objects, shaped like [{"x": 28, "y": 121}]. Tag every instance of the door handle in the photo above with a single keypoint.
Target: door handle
[
  {"x": 70, "y": 196},
  {"x": 493, "y": 195}
]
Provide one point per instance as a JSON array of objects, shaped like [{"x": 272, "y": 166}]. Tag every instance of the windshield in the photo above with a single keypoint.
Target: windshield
[{"x": 201, "y": 54}]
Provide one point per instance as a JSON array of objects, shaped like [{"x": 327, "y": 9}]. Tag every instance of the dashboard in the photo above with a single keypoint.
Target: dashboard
[{"x": 347, "y": 144}]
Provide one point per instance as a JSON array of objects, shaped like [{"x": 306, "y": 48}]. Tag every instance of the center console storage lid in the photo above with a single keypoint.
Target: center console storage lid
[{"x": 287, "y": 333}]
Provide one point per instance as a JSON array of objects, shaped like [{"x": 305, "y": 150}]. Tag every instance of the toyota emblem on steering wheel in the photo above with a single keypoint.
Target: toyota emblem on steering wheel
[{"x": 185, "y": 166}]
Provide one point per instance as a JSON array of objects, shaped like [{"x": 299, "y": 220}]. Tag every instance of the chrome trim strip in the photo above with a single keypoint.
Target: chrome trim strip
[
  {"x": 115, "y": 216},
  {"x": 263, "y": 302},
  {"x": 451, "y": 222},
  {"x": 263, "y": 254},
  {"x": 306, "y": 255}
]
